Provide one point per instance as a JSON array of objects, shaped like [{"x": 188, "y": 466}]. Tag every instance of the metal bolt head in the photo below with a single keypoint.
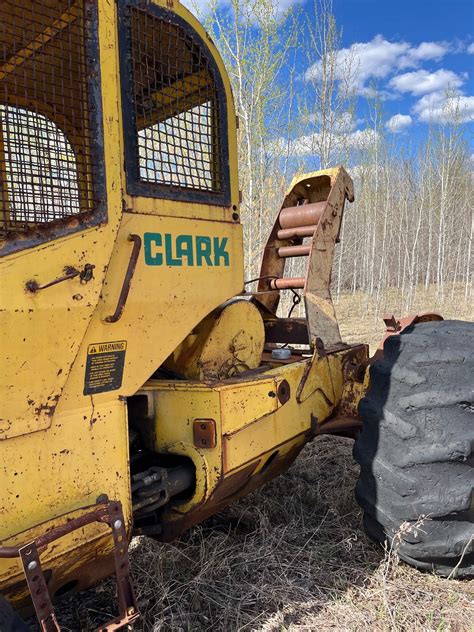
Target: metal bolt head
[
  {"x": 32, "y": 565},
  {"x": 117, "y": 524}
]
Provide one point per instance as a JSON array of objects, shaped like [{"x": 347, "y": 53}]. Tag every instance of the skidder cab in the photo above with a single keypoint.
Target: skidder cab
[{"x": 143, "y": 389}]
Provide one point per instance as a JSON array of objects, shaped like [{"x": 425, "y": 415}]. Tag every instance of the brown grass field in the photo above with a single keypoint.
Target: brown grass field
[
  {"x": 291, "y": 556},
  {"x": 360, "y": 315}
]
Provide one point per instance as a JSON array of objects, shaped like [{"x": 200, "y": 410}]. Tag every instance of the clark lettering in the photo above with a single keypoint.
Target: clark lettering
[{"x": 185, "y": 250}]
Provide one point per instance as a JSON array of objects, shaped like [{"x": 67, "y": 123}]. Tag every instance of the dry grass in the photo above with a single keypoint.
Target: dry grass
[
  {"x": 291, "y": 556},
  {"x": 360, "y": 314}
]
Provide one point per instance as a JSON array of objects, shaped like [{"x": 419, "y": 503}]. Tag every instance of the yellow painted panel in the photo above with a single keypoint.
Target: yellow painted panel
[
  {"x": 176, "y": 406},
  {"x": 164, "y": 303},
  {"x": 244, "y": 403},
  {"x": 81, "y": 452},
  {"x": 83, "y": 455},
  {"x": 40, "y": 333},
  {"x": 318, "y": 379},
  {"x": 264, "y": 435}
]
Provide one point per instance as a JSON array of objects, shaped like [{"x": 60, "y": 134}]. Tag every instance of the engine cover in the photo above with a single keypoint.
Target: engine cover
[{"x": 227, "y": 342}]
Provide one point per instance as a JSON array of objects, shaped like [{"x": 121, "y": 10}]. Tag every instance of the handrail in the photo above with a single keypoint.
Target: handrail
[{"x": 137, "y": 244}]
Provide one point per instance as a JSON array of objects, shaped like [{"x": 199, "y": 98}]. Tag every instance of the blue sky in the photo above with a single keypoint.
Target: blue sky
[
  {"x": 414, "y": 50},
  {"x": 413, "y": 86}
]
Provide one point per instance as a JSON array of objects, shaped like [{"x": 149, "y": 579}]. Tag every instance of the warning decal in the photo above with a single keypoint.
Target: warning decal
[{"x": 104, "y": 366}]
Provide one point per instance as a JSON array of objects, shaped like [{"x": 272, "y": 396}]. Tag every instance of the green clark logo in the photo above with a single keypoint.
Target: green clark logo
[{"x": 191, "y": 250}]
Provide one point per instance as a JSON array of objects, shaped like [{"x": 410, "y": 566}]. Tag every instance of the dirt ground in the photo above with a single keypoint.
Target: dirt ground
[{"x": 291, "y": 556}]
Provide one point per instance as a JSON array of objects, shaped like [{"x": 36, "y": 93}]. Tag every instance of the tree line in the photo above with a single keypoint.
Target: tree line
[{"x": 411, "y": 224}]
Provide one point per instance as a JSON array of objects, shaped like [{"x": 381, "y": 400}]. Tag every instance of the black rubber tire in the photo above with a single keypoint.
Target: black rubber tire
[
  {"x": 9, "y": 620},
  {"x": 416, "y": 448}
]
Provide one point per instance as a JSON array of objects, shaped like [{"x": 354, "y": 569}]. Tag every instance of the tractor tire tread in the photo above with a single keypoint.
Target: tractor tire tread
[{"x": 416, "y": 448}]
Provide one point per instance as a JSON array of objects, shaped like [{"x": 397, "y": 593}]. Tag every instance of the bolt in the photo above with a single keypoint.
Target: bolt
[
  {"x": 117, "y": 524},
  {"x": 32, "y": 565}
]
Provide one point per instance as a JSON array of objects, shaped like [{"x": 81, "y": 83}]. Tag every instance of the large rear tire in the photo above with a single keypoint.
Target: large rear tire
[
  {"x": 416, "y": 447},
  {"x": 9, "y": 620}
]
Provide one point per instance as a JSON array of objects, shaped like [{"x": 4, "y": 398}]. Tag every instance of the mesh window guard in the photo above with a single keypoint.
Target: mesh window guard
[
  {"x": 176, "y": 109},
  {"x": 47, "y": 151}
]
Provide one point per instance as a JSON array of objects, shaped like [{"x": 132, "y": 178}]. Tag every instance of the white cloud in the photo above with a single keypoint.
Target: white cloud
[
  {"x": 379, "y": 58},
  {"x": 470, "y": 49},
  {"x": 308, "y": 144},
  {"x": 439, "y": 107},
  {"x": 362, "y": 138},
  {"x": 367, "y": 60},
  {"x": 398, "y": 123},
  {"x": 423, "y": 82},
  {"x": 339, "y": 123},
  {"x": 425, "y": 51}
]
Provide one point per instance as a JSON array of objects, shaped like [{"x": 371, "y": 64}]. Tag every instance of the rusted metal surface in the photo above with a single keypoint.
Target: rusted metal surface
[
  {"x": 109, "y": 513},
  {"x": 220, "y": 346},
  {"x": 95, "y": 513},
  {"x": 340, "y": 424},
  {"x": 315, "y": 201},
  {"x": 85, "y": 275},
  {"x": 298, "y": 231},
  {"x": 38, "y": 588},
  {"x": 128, "y": 611},
  {"x": 294, "y": 251},
  {"x": 286, "y": 284},
  {"x": 286, "y": 330},
  {"x": 273, "y": 266},
  {"x": 395, "y": 326},
  {"x": 137, "y": 244},
  {"x": 322, "y": 321},
  {"x": 320, "y": 348},
  {"x": 345, "y": 426},
  {"x": 204, "y": 433},
  {"x": 354, "y": 384},
  {"x": 302, "y": 215},
  {"x": 354, "y": 363},
  {"x": 232, "y": 488}
]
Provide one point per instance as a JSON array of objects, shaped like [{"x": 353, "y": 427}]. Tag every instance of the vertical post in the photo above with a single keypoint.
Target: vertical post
[
  {"x": 320, "y": 312},
  {"x": 4, "y": 196}
]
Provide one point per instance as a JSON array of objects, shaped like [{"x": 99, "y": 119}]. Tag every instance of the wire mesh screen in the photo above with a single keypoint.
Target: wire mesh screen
[
  {"x": 176, "y": 106},
  {"x": 46, "y": 161}
]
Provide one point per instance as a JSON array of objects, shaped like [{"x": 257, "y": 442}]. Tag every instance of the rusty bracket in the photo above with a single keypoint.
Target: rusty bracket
[
  {"x": 38, "y": 588},
  {"x": 204, "y": 433},
  {"x": 85, "y": 275},
  {"x": 109, "y": 513},
  {"x": 397, "y": 325}
]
